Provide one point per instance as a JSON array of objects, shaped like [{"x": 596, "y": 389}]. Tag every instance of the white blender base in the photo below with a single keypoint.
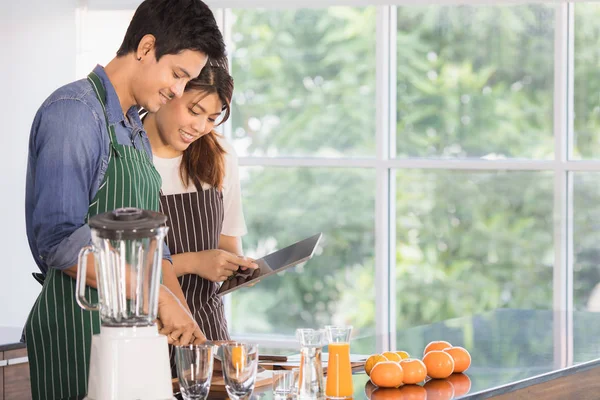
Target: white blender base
[{"x": 129, "y": 363}]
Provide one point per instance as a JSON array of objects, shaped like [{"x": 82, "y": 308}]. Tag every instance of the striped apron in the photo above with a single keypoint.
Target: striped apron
[
  {"x": 195, "y": 221},
  {"x": 58, "y": 332}
]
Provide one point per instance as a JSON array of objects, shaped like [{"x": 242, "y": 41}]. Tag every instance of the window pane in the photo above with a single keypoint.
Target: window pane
[
  {"x": 469, "y": 242},
  {"x": 305, "y": 82},
  {"x": 586, "y": 264},
  {"x": 587, "y": 81},
  {"x": 586, "y": 236},
  {"x": 475, "y": 81},
  {"x": 283, "y": 205}
]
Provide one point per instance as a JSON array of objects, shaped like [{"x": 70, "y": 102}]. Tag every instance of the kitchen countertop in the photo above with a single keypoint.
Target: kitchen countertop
[
  {"x": 510, "y": 349},
  {"x": 10, "y": 337}
]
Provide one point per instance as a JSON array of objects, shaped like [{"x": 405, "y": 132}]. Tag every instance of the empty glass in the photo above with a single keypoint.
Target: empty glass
[
  {"x": 194, "y": 369},
  {"x": 296, "y": 379},
  {"x": 240, "y": 362},
  {"x": 283, "y": 384},
  {"x": 311, "y": 384}
]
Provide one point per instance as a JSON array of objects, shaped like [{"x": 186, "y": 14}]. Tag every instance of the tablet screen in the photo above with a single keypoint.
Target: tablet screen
[{"x": 272, "y": 264}]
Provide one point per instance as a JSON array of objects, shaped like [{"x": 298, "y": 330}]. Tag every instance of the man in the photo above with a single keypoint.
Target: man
[{"x": 88, "y": 154}]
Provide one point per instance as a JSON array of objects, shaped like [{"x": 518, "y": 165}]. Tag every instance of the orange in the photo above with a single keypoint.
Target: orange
[
  {"x": 371, "y": 361},
  {"x": 461, "y": 357},
  {"x": 438, "y": 389},
  {"x": 414, "y": 371},
  {"x": 436, "y": 345},
  {"x": 387, "y": 374},
  {"x": 439, "y": 364},
  {"x": 391, "y": 356},
  {"x": 461, "y": 383},
  {"x": 412, "y": 392},
  {"x": 403, "y": 354}
]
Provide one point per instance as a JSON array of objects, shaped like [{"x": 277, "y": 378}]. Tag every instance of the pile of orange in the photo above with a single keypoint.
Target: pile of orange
[{"x": 441, "y": 361}]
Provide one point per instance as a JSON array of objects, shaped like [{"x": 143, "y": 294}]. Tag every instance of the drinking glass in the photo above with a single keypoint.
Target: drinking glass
[
  {"x": 311, "y": 383},
  {"x": 240, "y": 362},
  {"x": 339, "y": 369},
  {"x": 283, "y": 384},
  {"x": 194, "y": 370}
]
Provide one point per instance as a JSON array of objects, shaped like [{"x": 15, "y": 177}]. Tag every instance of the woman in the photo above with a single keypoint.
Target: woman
[{"x": 200, "y": 194}]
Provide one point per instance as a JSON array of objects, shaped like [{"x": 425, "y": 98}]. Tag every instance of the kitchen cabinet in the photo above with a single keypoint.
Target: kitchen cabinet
[
  {"x": 2, "y": 362},
  {"x": 16, "y": 375}
]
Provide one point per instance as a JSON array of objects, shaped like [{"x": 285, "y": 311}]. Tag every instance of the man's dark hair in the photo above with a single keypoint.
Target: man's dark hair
[{"x": 177, "y": 25}]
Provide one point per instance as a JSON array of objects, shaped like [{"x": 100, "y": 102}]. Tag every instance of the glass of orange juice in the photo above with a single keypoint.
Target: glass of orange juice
[{"x": 339, "y": 370}]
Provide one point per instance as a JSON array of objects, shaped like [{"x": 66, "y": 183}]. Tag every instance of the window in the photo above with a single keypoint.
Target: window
[
  {"x": 475, "y": 81},
  {"x": 586, "y": 236},
  {"x": 474, "y": 190},
  {"x": 470, "y": 242},
  {"x": 305, "y": 82},
  {"x": 305, "y": 87},
  {"x": 587, "y": 82},
  {"x": 284, "y": 205}
]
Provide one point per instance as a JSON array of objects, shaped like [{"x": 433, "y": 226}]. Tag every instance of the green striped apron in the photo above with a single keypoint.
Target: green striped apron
[{"x": 59, "y": 332}]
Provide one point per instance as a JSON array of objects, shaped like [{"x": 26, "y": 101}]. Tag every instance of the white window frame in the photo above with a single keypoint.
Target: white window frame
[{"x": 385, "y": 164}]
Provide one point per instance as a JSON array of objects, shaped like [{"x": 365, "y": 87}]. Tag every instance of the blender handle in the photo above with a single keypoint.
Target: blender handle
[{"x": 80, "y": 282}]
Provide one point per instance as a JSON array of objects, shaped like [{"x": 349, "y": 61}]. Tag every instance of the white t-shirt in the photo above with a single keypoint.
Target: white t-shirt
[{"x": 233, "y": 220}]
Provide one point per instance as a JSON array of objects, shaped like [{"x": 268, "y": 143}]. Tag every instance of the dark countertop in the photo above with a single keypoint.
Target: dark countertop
[
  {"x": 10, "y": 338},
  {"x": 510, "y": 349}
]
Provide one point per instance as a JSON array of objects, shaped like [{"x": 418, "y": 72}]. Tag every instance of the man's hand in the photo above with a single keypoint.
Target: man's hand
[{"x": 176, "y": 322}]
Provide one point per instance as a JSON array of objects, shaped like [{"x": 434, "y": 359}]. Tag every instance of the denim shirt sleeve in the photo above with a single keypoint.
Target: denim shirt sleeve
[
  {"x": 67, "y": 151},
  {"x": 69, "y": 154},
  {"x": 167, "y": 253}
]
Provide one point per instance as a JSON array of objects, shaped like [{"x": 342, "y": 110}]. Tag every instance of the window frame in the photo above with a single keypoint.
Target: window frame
[{"x": 385, "y": 164}]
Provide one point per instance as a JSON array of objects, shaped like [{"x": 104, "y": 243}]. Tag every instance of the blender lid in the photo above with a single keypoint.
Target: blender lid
[{"x": 127, "y": 223}]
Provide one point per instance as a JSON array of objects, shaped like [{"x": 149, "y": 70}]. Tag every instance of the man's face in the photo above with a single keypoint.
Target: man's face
[{"x": 157, "y": 82}]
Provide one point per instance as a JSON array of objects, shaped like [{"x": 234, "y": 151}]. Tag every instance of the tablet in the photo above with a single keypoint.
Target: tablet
[{"x": 273, "y": 263}]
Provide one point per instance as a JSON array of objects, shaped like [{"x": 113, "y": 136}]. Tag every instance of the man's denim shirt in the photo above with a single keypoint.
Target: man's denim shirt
[{"x": 68, "y": 156}]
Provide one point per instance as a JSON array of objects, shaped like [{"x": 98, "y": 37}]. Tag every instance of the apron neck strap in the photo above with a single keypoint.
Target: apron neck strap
[{"x": 100, "y": 91}]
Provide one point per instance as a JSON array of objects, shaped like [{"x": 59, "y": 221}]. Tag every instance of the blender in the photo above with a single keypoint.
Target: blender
[{"x": 129, "y": 358}]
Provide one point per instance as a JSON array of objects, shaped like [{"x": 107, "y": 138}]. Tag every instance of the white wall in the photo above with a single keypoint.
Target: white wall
[
  {"x": 44, "y": 44},
  {"x": 37, "y": 53}
]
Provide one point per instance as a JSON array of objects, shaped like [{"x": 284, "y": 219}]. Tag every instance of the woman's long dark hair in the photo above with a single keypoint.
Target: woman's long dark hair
[{"x": 204, "y": 159}]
